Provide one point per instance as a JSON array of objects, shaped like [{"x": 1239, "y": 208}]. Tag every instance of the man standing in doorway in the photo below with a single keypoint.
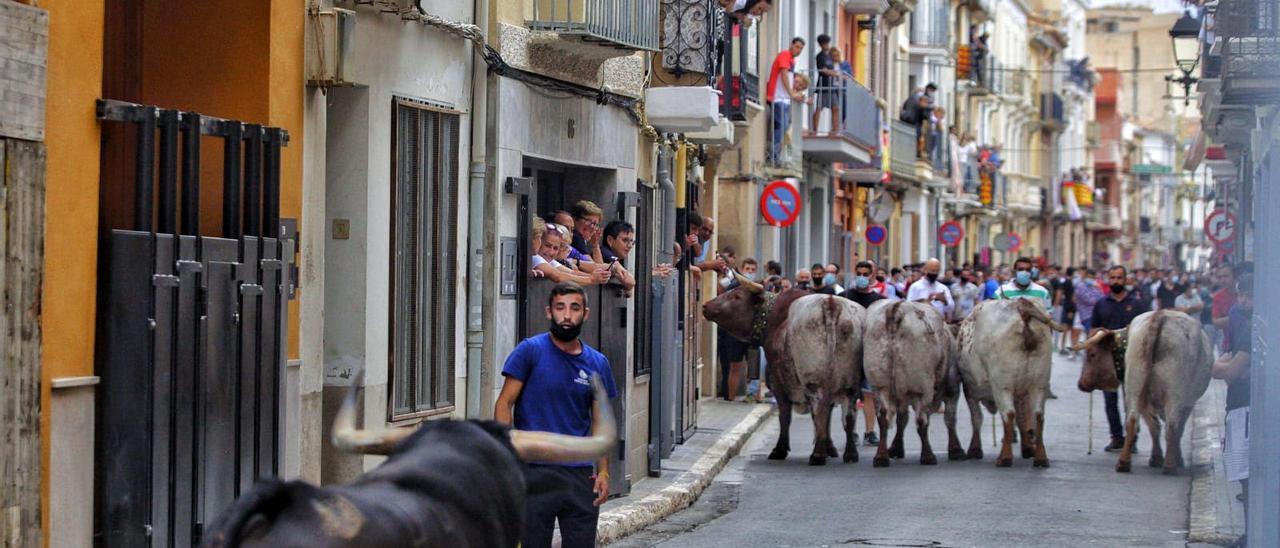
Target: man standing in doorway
[
  {"x": 931, "y": 291},
  {"x": 780, "y": 91},
  {"x": 1115, "y": 312},
  {"x": 548, "y": 388}
]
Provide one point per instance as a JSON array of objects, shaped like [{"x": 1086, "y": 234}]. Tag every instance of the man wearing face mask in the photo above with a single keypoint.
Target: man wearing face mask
[
  {"x": 804, "y": 279},
  {"x": 548, "y": 389},
  {"x": 930, "y": 290},
  {"x": 1022, "y": 286},
  {"x": 966, "y": 294},
  {"x": 863, "y": 293},
  {"x": 1115, "y": 312}
]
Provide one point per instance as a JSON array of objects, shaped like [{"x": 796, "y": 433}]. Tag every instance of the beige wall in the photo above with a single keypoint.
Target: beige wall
[{"x": 1143, "y": 36}]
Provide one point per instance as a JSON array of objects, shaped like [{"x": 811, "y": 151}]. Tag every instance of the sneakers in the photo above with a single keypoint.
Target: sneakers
[{"x": 870, "y": 439}]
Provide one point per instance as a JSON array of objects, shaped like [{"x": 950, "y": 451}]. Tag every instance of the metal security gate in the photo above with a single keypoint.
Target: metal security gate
[{"x": 192, "y": 331}]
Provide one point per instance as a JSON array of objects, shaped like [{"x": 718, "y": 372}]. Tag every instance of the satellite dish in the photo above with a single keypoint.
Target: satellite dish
[{"x": 880, "y": 209}]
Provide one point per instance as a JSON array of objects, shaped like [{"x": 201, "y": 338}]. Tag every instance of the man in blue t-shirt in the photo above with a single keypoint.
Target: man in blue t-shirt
[{"x": 548, "y": 389}]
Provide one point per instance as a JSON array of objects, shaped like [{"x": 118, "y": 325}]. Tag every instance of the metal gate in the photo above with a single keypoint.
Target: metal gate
[{"x": 192, "y": 331}]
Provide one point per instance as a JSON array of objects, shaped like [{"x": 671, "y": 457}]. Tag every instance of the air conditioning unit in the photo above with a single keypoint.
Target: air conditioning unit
[{"x": 329, "y": 48}]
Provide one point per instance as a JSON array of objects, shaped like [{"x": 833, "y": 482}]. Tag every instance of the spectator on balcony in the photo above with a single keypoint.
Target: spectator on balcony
[
  {"x": 780, "y": 91},
  {"x": 935, "y": 133},
  {"x": 744, "y": 9},
  {"x": 827, "y": 92},
  {"x": 969, "y": 163},
  {"x": 845, "y": 69}
]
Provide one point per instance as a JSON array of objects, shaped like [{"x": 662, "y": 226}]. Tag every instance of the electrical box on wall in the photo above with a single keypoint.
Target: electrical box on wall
[
  {"x": 510, "y": 267},
  {"x": 330, "y": 47}
]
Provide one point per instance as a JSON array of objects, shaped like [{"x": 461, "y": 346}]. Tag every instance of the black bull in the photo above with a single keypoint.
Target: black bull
[{"x": 445, "y": 484}]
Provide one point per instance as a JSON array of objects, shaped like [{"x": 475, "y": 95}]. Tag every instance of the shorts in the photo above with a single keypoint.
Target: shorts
[
  {"x": 866, "y": 385},
  {"x": 1077, "y": 324},
  {"x": 730, "y": 349},
  {"x": 827, "y": 99}
]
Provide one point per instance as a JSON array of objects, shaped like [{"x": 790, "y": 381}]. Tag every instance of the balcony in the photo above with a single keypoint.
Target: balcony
[
  {"x": 627, "y": 25},
  {"x": 929, "y": 30},
  {"x": 1051, "y": 111},
  {"x": 692, "y": 37},
  {"x": 904, "y": 163},
  {"x": 1103, "y": 218},
  {"x": 866, "y": 7},
  {"x": 1250, "y": 34},
  {"x": 739, "y": 80},
  {"x": 682, "y": 109},
  {"x": 855, "y": 137}
]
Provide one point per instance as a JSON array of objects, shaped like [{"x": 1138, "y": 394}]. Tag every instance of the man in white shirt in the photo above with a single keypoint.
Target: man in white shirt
[{"x": 931, "y": 291}]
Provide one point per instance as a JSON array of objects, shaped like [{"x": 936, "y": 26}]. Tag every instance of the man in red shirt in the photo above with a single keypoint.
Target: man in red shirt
[
  {"x": 1223, "y": 300},
  {"x": 780, "y": 91}
]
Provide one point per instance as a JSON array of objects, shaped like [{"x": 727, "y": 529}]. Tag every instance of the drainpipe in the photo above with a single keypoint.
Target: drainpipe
[
  {"x": 657, "y": 377},
  {"x": 479, "y": 239}
]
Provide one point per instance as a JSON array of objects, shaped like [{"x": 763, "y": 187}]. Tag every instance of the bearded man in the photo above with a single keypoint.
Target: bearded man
[{"x": 548, "y": 388}]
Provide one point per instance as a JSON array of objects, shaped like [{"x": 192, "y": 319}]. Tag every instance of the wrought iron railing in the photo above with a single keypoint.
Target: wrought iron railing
[
  {"x": 1251, "y": 29},
  {"x": 692, "y": 37},
  {"x": 902, "y": 147},
  {"x": 627, "y": 23}
]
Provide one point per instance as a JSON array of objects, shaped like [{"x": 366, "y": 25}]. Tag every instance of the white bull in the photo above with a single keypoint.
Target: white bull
[
  {"x": 906, "y": 357},
  {"x": 1005, "y": 362},
  {"x": 1166, "y": 369}
]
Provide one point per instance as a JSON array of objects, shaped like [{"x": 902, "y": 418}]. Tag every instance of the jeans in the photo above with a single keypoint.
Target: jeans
[
  {"x": 1113, "y": 413},
  {"x": 754, "y": 385},
  {"x": 781, "y": 122},
  {"x": 564, "y": 493}
]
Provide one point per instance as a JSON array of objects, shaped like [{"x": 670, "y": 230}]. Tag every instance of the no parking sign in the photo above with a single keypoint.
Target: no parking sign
[
  {"x": 780, "y": 204},
  {"x": 950, "y": 233},
  {"x": 876, "y": 234}
]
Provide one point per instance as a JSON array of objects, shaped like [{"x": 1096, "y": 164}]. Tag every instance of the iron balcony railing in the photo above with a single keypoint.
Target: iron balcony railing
[
  {"x": 902, "y": 147},
  {"x": 929, "y": 24},
  {"x": 629, "y": 24},
  {"x": 859, "y": 117},
  {"x": 692, "y": 37}
]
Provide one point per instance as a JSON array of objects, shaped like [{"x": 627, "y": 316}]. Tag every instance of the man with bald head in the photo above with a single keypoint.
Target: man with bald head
[
  {"x": 931, "y": 291},
  {"x": 706, "y": 261}
]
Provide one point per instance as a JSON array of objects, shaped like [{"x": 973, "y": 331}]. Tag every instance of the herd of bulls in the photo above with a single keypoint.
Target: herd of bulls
[
  {"x": 820, "y": 347},
  {"x": 461, "y": 483}
]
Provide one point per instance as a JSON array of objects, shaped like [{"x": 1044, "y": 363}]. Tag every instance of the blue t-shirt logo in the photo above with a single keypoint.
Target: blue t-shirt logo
[{"x": 582, "y": 378}]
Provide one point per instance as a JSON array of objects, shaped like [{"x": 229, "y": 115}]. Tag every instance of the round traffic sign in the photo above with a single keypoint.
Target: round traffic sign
[
  {"x": 780, "y": 204},
  {"x": 950, "y": 233},
  {"x": 876, "y": 234},
  {"x": 1015, "y": 242},
  {"x": 1000, "y": 242},
  {"x": 1220, "y": 226}
]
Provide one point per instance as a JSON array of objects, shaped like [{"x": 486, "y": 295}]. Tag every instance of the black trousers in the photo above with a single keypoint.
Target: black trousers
[
  {"x": 1112, "y": 401},
  {"x": 559, "y": 493}
]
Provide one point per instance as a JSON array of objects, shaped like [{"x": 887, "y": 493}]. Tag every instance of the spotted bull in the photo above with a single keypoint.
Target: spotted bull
[
  {"x": 445, "y": 484},
  {"x": 906, "y": 357},
  {"x": 814, "y": 347},
  {"x": 1166, "y": 369},
  {"x": 1005, "y": 362}
]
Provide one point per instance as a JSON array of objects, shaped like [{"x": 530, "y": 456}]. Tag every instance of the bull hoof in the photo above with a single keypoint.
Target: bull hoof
[
  {"x": 778, "y": 454},
  {"x": 1028, "y": 452},
  {"x": 956, "y": 454},
  {"x": 1123, "y": 467},
  {"x": 928, "y": 459},
  {"x": 1155, "y": 461},
  {"x": 817, "y": 460},
  {"x": 896, "y": 452},
  {"x": 1170, "y": 471},
  {"x": 831, "y": 451},
  {"x": 1004, "y": 462},
  {"x": 1041, "y": 463},
  {"x": 850, "y": 456},
  {"x": 880, "y": 462},
  {"x": 974, "y": 453}
]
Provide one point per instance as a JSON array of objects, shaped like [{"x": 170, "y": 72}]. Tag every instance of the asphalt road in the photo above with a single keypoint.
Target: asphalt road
[{"x": 1079, "y": 501}]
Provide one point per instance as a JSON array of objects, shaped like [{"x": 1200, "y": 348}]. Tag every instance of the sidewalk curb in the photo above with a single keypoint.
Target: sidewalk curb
[
  {"x": 618, "y": 523},
  {"x": 1202, "y": 519}
]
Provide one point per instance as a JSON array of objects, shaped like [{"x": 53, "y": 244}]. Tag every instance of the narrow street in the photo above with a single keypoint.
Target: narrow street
[{"x": 1079, "y": 501}]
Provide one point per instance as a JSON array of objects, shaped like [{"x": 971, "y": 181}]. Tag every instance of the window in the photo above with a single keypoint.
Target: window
[{"x": 424, "y": 202}]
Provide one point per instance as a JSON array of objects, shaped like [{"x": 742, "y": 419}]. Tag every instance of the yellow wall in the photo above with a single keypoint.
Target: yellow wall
[{"x": 71, "y": 204}]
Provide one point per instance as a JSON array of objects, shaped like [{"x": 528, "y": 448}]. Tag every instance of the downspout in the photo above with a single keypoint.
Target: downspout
[
  {"x": 479, "y": 238},
  {"x": 657, "y": 377}
]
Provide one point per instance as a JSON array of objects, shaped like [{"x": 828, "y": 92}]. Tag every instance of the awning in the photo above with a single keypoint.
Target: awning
[{"x": 1196, "y": 153}]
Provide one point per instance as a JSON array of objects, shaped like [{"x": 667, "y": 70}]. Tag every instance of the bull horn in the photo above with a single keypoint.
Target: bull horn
[
  {"x": 1094, "y": 339},
  {"x": 748, "y": 283},
  {"x": 348, "y": 438},
  {"x": 549, "y": 447}
]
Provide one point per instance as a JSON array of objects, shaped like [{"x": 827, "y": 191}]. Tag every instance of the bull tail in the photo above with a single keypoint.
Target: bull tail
[
  {"x": 1151, "y": 350},
  {"x": 267, "y": 499}
]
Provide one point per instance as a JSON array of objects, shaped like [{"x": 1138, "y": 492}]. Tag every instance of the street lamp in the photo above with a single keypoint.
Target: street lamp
[{"x": 1186, "y": 52}]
